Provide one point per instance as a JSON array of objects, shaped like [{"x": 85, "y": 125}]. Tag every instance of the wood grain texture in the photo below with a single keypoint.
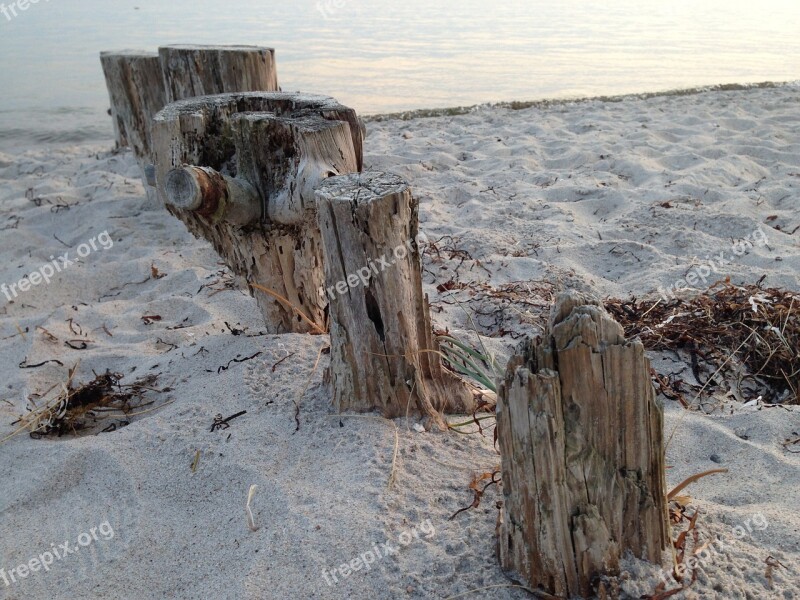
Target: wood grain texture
[
  {"x": 136, "y": 92},
  {"x": 581, "y": 438},
  {"x": 191, "y": 71}
]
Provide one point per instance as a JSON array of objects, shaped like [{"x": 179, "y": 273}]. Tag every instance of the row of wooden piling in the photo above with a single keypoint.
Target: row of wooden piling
[{"x": 275, "y": 182}]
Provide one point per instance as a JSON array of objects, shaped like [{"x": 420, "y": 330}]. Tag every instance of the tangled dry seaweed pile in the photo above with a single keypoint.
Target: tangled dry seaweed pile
[
  {"x": 747, "y": 335},
  {"x": 102, "y": 404}
]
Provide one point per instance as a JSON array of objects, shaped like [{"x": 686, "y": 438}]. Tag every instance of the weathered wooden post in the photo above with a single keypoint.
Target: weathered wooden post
[
  {"x": 581, "y": 439},
  {"x": 240, "y": 169},
  {"x": 191, "y": 71},
  {"x": 136, "y": 91},
  {"x": 383, "y": 353}
]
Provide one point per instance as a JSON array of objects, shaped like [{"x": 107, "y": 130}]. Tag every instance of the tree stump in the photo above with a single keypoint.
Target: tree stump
[
  {"x": 383, "y": 352},
  {"x": 281, "y": 145},
  {"x": 287, "y": 157},
  {"x": 136, "y": 91},
  {"x": 191, "y": 71},
  {"x": 581, "y": 439}
]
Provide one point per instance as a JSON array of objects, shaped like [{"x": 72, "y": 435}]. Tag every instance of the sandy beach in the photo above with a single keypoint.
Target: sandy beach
[{"x": 631, "y": 198}]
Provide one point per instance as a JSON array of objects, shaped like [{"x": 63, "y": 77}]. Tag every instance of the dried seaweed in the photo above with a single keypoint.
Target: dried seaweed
[
  {"x": 238, "y": 359},
  {"x": 446, "y": 248},
  {"x": 497, "y": 309},
  {"x": 224, "y": 282},
  {"x": 24, "y": 364},
  {"x": 749, "y": 333},
  {"x": 220, "y": 423},
  {"x": 679, "y": 515},
  {"x": 275, "y": 366},
  {"x": 84, "y": 408},
  {"x": 493, "y": 477}
]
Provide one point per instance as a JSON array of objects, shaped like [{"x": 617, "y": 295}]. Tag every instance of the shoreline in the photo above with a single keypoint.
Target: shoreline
[
  {"x": 90, "y": 130},
  {"x": 422, "y": 113}
]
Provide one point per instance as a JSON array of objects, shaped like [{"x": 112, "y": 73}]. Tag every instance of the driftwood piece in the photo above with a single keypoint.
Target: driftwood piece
[
  {"x": 383, "y": 352},
  {"x": 281, "y": 145},
  {"x": 581, "y": 439},
  {"x": 191, "y": 71},
  {"x": 136, "y": 92}
]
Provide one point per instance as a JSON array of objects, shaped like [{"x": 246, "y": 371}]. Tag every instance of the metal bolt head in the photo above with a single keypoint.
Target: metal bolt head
[
  {"x": 183, "y": 190},
  {"x": 150, "y": 175}
]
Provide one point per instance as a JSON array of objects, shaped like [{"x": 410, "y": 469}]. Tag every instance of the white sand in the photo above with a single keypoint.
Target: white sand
[{"x": 568, "y": 195}]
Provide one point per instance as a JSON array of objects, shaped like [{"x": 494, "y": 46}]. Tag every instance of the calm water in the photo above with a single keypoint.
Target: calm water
[{"x": 380, "y": 56}]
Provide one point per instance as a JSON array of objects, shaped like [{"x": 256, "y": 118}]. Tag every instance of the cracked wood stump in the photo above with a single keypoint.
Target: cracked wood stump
[
  {"x": 383, "y": 351},
  {"x": 240, "y": 171},
  {"x": 581, "y": 439},
  {"x": 191, "y": 71}
]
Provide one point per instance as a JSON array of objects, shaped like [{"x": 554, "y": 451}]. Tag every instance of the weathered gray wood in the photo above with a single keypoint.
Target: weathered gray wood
[
  {"x": 191, "y": 71},
  {"x": 136, "y": 92},
  {"x": 282, "y": 145},
  {"x": 581, "y": 438},
  {"x": 383, "y": 352}
]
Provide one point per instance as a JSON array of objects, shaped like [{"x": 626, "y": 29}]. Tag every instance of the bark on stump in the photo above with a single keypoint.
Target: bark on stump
[
  {"x": 581, "y": 439},
  {"x": 191, "y": 71},
  {"x": 383, "y": 352},
  {"x": 281, "y": 145}
]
